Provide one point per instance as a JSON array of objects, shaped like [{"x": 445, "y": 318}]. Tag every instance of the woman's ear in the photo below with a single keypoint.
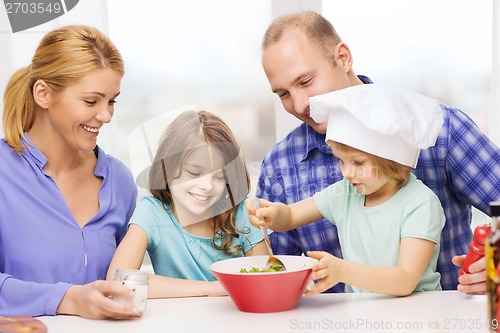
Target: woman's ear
[{"x": 41, "y": 94}]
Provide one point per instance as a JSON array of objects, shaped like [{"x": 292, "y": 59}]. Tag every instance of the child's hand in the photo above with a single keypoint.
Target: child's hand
[
  {"x": 261, "y": 212},
  {"x": 325, "y": 272}
]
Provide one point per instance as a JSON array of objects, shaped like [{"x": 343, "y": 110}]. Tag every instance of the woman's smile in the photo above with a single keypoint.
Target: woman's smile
[{"x": 94, "y": 130}]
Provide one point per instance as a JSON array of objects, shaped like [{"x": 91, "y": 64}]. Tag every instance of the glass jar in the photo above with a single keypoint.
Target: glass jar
[
  {"x": 492, "y": 256},
  {"x": 135, "y": 280}
]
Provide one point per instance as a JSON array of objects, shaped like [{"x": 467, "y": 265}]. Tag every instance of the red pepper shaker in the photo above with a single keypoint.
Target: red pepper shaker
[{"x": 476, "y": 250}]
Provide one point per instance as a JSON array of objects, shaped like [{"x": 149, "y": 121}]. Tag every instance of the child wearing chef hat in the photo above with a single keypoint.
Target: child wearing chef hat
[{"x": 389, "y": 223}]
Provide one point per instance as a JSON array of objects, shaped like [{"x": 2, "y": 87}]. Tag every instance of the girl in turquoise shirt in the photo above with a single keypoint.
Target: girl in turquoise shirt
[{"x": 194, "y": 215}]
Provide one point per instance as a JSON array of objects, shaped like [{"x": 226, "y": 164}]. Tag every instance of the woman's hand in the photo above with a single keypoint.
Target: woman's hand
[{"x": 94, "y": 301}]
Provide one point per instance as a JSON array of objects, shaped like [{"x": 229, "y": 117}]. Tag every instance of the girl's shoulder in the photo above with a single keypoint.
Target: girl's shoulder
[
  {"x": 150, "y": 211},
  {"x": 150, "y": 207},
  {"x": 152, "y": 202}
]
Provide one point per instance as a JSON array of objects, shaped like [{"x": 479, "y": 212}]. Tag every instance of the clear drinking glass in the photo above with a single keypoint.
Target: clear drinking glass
[{"x": 135, "y": 280}]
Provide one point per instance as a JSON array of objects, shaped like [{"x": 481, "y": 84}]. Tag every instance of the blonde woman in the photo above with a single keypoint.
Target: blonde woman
[{"x": 65, "y": 202}]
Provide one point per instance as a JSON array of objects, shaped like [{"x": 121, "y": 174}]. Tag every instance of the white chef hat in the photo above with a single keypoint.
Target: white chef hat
[{"x": 388, "y": 122}]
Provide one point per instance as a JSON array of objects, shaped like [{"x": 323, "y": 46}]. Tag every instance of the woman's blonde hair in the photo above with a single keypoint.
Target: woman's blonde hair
[
  {"x": 64, "y": 56},
  {"x": 391, "y": 169},
  {"x": 182, "y": 136},
  {"x": 318, "y": 29}
]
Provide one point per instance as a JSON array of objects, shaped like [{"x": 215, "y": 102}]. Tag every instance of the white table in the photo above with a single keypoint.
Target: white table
[{"x": 446, "y": 311}]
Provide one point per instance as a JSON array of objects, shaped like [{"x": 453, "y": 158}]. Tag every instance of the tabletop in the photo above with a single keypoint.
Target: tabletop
[{"x": 431, "y": 311}]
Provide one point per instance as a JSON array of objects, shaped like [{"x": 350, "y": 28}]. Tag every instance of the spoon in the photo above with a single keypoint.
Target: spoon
[{"x": 272, "y": 263}]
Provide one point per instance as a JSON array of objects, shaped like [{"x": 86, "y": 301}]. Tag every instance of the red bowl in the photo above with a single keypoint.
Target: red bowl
[{"x": 264, "y": 292}]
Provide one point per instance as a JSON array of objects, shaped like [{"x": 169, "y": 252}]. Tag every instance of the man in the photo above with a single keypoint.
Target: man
[{"x": 303, "y": 56}]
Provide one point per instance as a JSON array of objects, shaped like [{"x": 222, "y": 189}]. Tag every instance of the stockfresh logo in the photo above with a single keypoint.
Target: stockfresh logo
[{"x": 28, "y": 14}]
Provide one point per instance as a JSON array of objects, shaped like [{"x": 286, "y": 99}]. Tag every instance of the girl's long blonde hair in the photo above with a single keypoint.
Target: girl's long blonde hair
[{"x": 64, "y": 56}]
